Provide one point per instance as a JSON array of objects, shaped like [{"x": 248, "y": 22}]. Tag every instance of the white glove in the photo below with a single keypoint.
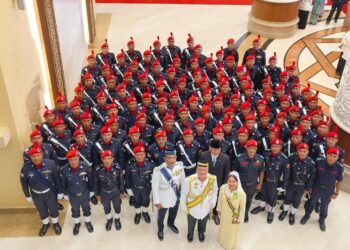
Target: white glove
[
  {"x": 59, "y": 196},
  {"x": 65, "y": 197},
  {"x": 130, "y": 192},
  {"x": 280, "y": 189},
  {"x": 29, "y": 199},
  {"x": 92, "y": 194}
]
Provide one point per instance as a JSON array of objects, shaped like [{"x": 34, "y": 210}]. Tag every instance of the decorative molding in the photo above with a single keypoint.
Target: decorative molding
[
  {"x": 91, "y": 21},
  {"x": 52, "y": 45}
]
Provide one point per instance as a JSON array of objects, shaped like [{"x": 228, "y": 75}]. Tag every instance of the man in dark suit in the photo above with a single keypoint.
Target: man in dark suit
[{"x": 219, "y": 165}]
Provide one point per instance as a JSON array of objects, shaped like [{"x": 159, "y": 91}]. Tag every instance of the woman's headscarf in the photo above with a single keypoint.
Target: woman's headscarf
[{"x": 236, "y": 174}]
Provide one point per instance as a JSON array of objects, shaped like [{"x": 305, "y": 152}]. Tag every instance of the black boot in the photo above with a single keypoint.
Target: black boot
[
  {"x": 291, "y": 219},
  {"x": 201, "y": 237},
  {"x": 57, "y": 228},
  {"x": 131, "y": 201},
  {"x": 189, "y": 238},
  {"x": 270, "y": 217},
  {"x": 137, "y": 218},
  {"x": 216, "y": 219},
  {"x": 118, "y": 225},
  {"x": 60, "y": 206},
  {"x": 109, "y": 224},
  {"x": 146, "y": 217},
  {"x": 282, "y": 215},
  {"x": 322, "y": 225},
  {"x": 76, "y": 228},
  {"x": 174, "y": 229},
  {"x": 305, "y": 218},
  {"x": 94, "y": 200},
  {"x": 160, "y": 235},
  {"x": 318, "y": 207},
  {"x": 89, "y": 227},
  {"x": 43, "y": 229},
  {"x": 258, "y": 210},
  {"x": 258, "y": 196}
]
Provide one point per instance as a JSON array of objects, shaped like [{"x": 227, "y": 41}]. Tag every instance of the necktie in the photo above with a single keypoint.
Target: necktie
[{"x": 214, "y": 161}]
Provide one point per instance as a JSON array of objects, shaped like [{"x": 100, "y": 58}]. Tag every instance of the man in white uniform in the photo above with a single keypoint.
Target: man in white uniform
[
  {"x": 198, "y": 198},
  {"x": 167, "y": 181}
]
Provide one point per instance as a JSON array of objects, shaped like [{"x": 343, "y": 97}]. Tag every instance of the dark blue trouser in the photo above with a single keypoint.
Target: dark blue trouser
[
  {"x": 141, "y": 197},
  {"x": 294, "y": 194},
  {"x": 107, "y": 198},
  {"x": 171, "y": 216},
  {"x": 249, "y": 189},
  {"x": 269, "y": 193},
  {"x": 80, "y": 200},
  {"x": 46, "y": 204},
  {"x": 325, "y": 194}
]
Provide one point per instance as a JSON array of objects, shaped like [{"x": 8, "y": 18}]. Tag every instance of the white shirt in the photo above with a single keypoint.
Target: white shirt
[
  {"x": 305, "y": 5},
  {"x": 195, "y": 188},
  {"x": 163, "y": 192},
  {"x": 214, "y": 158}
]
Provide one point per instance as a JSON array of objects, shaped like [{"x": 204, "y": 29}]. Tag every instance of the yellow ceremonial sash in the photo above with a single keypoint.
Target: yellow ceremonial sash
[{"x": 200, "y": 197}]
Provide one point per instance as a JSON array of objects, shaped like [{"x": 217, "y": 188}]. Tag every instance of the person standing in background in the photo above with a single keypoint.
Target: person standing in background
[
  {"x": 316, "y": 9},
  {"x": 336, "y": 5},
  {"x": 304, "y": 9}
]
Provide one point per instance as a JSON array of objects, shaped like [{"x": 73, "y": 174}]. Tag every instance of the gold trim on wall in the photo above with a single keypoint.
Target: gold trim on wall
[{"x": 91, "y": 21}]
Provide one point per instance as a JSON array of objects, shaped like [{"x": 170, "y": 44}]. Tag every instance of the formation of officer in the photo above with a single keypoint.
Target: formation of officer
[{"x": 140, "y": 122}]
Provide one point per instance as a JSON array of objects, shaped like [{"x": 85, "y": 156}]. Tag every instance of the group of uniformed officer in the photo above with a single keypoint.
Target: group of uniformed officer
[{"x": 135, "y": 114}]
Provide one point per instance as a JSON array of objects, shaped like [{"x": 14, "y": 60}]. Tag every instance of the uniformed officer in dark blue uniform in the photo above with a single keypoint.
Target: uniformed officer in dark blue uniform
[
  {"x": 300, "y": 182},
  {"x": 250, "y": 167},
  {"x": 276, "y": 164},
  {"x": 76, "y": 179},
  {"x": 105, "y": 57},
  {"x": 109, "y": 188},
  {"x": 157, "y": 149},
  {"x": 260, "y": 56},
  {"x": 328, "y": 177},
  {"x": 40, "y": 176},
  {"x": 138, "y": 176}
]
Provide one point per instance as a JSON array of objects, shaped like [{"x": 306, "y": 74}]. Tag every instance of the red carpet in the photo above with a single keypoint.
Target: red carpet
[{"x": 228, "y": 2}]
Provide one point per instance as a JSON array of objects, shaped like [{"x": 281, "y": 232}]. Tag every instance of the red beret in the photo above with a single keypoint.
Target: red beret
[
  {"x": 171, "y": 37},
  {"x": 170, "y": 70},
  {"x": 105, "y": 129},
  {"x": 111, "y": 77},
  {"x": 160, "y": 133},
  {"x": 58, "y": 121},
  {"x": 250, "y": 57},
  {"x": 303, "y": 146},
  {"x": 159, "y": 83},
  {"x": 251, "y": 143},
  {"x": 105, "y": 44},
  {"x": 161, "y": 100},
  {"x": 274, "y": 57},
  {"x": 173, "y": 93},
  {"x": 199, "y": 120},
  {"x": 306, "y": 89},
  {"x": 146, "y": 95},
  {"x": 277, "y": 141},
  {"x": 283, "y": 74},
  {"x": 141, "y": 116},
  {"x": 127, "y": 74},
  {"x": 48, "y": 111},
  {"x": 240, "y": 68},
  {"x": 226, "y": 121},
  {"x": 250, "y": 117},
  {"x": 245, "y": 105},
  {"x": 190, "y": 38},
  {"x": 35, "y": 132},
  {"x": 120, "y": 55},
  {"x": 104, "y": 67},
  {"x": 193, "y": 98},
  {"x": 139, "y": 148},
  {"x": 282, "y": 115},
  {"x": 168, "y": 117},
  {"x": 183, "y": 108},
  {"x": 35, "y": 149},
  {"x": 230, "y": 40},
  {"x": 218, "y": 129},
  {"x": 242, "y": 130},
  {"x": 74, "y": 104},
  {"x": 106, "y": 153},
  {"x": 131, "y": 41},
  {"x": 156, "y": 42},
  {"x": 112, "y": 106},
  {"x": 334, "y": 151},
  {"x": 120, "y": 87},
  {"x": 230, "y": 58},
  {"x": 155, "y": 63},
  {"x": 77, "y": 132},
  {"x": 131, "y": 98},
  {"x": 60, "y": 98},
  {"x": 280, "y": 87},
  {"x": 79, "y": 88},
  {"x": 257, "y": 40},
  {"x": 85, "y": 115},
  {"x": 334, "y": 133},
  {"x": 147, "y": 52},
  {"x": 92, "y": 55},
  {"x": 296, "y": 131},
  {"x": 274, "y": 129},
  {"x": 205, "y": 108},
  {"x": 305, "y": 118},
  {"x": 72, "y": 153},
  {"x": 134, "y": 130},
  {"x": 294, "y": 108},
  {"x": 101, "y": 94},
  {"x": 187, "y": 131}
]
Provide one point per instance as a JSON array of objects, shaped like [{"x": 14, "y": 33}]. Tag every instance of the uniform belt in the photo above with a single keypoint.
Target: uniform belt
[
  {"x": 109, "y": 191},
  {"x": 191, "y": 166},
  {"x": 248, "y": 183},
  {"x": 298, "y": 183},
  {"x": 140, "y": 187},
  {"x": 271, "y": 180},
  {"x": 61, "y": 158},
  {"x": 324, "y": 187},
  {"x": 41, "y": 192}
]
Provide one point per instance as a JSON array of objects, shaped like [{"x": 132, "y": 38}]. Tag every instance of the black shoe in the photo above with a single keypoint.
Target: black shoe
[
  {"x": 270, "y": 217},
  {"x": 282, "y": 215},
  {"x": 281, "y": 207},
  {"x": 131, "y": 201},
  {"x": 160, "y": 236},
  {"x": 327, "y": 22},
  {"x": 174, "y": 229},
  {"x": 216, "y": 220},
  {"x": 76, "y": 228},
  {"x": 318, "y": 207},
  {"x": 335, "y": 20},
  {"x": 257, "y": 210},
  {"x": 60, "y": 206},
  {"x": 43, "y": 229},
  {"x": 189, "y": 238},
  {"x": 246, "y": 218},
  {"x": 305, "y": 218},
  {"x": 89, "y": 227},
  {"x": 291, "y": 219},
  {"x": 137, "y": 218},
  {"x": 109, "y": 224},
  {"x": 201, "y": 237},
  {"x": 57, "y": 228},
  {"x": 146, "y": 217},
  {"x": 258, "y": 196},
  {"x": 322, "y": 225},
  {"x": 117, "y": 224},
  {"x": 94, "y": 200}
]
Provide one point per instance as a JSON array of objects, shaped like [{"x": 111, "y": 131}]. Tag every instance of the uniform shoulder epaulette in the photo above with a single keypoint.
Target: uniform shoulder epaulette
[
  {"x": 179, "y": 163},
  {"x": 191, "y": 178},
  {"x": 211, "y": 177}
]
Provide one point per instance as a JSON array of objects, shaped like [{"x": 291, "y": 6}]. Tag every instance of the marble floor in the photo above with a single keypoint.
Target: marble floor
[{"x": 315, "y": 50}]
